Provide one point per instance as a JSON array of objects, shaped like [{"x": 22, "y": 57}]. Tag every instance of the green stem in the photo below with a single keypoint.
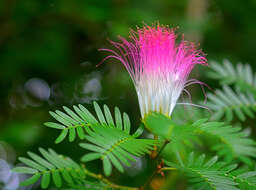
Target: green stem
[
  {"x": 106, "y": 181},
  {"x": 162, "y": 148},
  {"x": 168, "y": 169}
]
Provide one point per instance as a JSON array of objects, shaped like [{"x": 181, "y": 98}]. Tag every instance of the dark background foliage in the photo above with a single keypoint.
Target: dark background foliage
[{"x": 48, "y": 56}]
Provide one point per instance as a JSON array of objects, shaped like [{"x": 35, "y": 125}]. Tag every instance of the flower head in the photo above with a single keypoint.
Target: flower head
[{"x": 158, "y": 66}]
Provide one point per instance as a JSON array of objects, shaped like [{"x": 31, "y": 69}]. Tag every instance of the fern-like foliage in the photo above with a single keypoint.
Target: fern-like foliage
[
  {"x": 114, "y": 147},
  {"x": 213, "y": 174},
  {"x": 241, "y": 75},
  {"x": 246, "y": 179},
  {"x": 232, "y": 141},
  {"x": 50, "y": 166},
  {"x": 109, "y": 138},
  {"x": 229, "y": 103},
  {"x": 73, "y": 123},
  {"x": 229, "y": 141}
]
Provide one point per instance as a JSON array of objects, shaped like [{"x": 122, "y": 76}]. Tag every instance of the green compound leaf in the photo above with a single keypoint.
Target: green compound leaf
[
  {"x": 50, "y": 166},
  {"x": 114, "y": 147},
  {"x": 230, "y": 142},
  {"x": 241, "y": 75},
  {"x": 207, "y": 175},
  {"x": 109, "y": 137},
  {"x": 113, "y": 144},
  {"x": 213, "y": 174},
  {"x": 233, "y": 142},
  {"x": 73, "y": 123},
  {"x": 228, "y": 103}
]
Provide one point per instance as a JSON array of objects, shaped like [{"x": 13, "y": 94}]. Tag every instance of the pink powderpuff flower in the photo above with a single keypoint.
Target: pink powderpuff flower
[{"x": 158, "y": 66}]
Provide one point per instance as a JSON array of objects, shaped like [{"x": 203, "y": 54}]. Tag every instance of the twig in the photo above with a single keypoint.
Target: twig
[
  {"x": 106, "y": 181},
  {"x": 154, "y": 152},
  {"x": 155, "y": 155},
  {"x": 162, "y": 148},
  {"x": 168, "y": 169}
]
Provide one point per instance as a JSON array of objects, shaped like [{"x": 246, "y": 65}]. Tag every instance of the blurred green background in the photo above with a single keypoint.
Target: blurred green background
[{"x": 48, "y": 57}]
